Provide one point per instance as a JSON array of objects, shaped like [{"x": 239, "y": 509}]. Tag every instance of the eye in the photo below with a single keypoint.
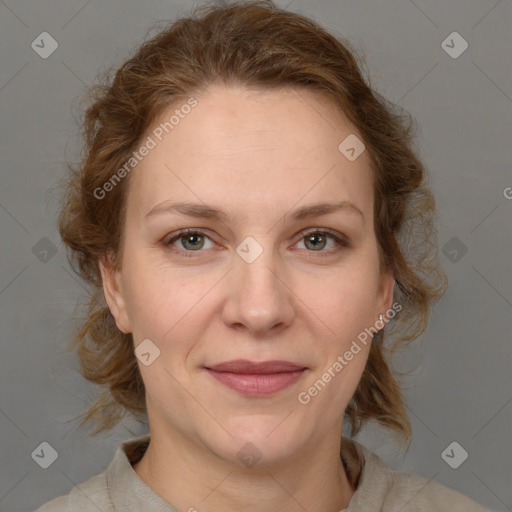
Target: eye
[
  {"x": 317, "y": 240},
  {"x": 190, "y": 240},
  {"x": 193, "y": 240}
]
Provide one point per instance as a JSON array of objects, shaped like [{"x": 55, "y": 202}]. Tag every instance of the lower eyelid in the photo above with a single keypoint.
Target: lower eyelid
[
  {"x": 341, "y": 241},
  {"x": 175, "y": 238}
]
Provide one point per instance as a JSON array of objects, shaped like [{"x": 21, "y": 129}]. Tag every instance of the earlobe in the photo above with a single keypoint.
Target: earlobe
[{"x": 114, "y": 295}]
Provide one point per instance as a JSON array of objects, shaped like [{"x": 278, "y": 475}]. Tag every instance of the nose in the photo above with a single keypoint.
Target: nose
[{"x": 259, "y": 299}]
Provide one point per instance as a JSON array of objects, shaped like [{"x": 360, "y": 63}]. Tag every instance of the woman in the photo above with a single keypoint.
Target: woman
[{"x": 245, "y": 213}]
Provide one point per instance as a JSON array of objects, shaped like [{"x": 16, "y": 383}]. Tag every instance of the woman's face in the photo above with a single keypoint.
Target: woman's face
[{"x": 267, "y": 276}]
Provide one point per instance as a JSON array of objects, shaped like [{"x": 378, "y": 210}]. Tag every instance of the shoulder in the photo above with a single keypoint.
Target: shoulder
[
  {"x": 117, "y": 484},
  {"x": 91, "y": 495},
  {"x": 416, "y": 493},
  {"x": 385, "y": 489},
  {"x": 60, "y": 504}
]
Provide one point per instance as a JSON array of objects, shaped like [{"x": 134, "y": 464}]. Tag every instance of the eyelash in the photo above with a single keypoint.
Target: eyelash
[{"x": 339, "y": 239}]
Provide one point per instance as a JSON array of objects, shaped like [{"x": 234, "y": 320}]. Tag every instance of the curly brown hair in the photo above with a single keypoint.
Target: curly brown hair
[{"x": 253, "y": 44}]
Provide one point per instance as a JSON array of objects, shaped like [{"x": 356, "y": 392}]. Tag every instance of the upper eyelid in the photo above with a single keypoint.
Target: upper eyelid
[{"x": 339, "y": 237}]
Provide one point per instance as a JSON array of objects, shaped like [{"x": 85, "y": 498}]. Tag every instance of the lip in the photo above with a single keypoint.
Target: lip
[
  {"x": 254, "y": 368},
  {"x": 256, "y": 378}
]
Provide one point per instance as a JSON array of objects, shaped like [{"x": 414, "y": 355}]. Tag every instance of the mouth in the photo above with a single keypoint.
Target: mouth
[{"x": 256, "y": 378}]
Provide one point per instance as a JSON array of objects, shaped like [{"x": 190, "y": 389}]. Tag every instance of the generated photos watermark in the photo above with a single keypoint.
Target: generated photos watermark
[
  {"x": 304, "y": 397},
  {"x": 150, "y": 143}
]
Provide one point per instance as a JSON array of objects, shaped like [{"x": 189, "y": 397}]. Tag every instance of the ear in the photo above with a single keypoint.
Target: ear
[
  {"x": 385, "y": 293},
  {"x": 114, "y": 294}
]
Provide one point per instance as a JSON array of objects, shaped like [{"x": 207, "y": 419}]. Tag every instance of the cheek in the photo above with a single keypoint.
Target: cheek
[
  {"x": 162, "y": 301},
  {"x": 345, "y": 301},
  {"x": 165, "y": 302},
  {"x": 346, "y": 309}
]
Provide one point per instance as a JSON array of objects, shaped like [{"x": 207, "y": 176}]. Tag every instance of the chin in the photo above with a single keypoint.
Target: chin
[{"x": 262, "y": 440}]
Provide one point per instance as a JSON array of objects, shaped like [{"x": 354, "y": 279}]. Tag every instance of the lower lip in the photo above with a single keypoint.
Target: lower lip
[{"x": 257, "y": 385}]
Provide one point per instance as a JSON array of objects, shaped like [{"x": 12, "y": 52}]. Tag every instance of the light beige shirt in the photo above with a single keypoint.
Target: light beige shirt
[{"x": 378, "y": 487}]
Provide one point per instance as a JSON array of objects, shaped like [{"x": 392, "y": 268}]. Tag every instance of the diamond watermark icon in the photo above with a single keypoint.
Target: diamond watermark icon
[
  {"x": 454, "y": 455},
  {"x": 147, "y": 352},
  {"x": 454, "y": 45},
  {"x": 454, "y": 249},
  {"x": 249, "y": 250},
  {"x": 44, "y": 250},
  {"x": 44, "y": 45},
  {"x": 45, "y": 455},
  {"x": 351, "y": 147},
  {"x": 249, "y": 455}
]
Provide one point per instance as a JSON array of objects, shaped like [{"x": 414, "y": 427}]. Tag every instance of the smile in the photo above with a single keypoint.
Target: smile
[{"x": 257, "y": 379}]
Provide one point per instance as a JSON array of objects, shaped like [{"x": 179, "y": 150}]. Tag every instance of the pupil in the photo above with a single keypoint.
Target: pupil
[
  {"x": 192, "y": 239},
  {"x": 314, "y": 236}
]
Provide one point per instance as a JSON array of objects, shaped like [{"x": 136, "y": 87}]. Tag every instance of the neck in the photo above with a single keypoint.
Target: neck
[{"x": 192, "y": 478}]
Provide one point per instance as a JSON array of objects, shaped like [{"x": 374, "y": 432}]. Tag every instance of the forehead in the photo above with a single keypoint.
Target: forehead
[{"x": 241, "y": 149}]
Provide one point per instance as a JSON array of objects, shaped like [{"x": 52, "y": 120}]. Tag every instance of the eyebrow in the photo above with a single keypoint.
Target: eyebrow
[{"x": 208, "y": 212}]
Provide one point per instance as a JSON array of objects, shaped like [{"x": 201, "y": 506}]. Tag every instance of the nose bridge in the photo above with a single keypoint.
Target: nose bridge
[{"x": 259, "y": 299}]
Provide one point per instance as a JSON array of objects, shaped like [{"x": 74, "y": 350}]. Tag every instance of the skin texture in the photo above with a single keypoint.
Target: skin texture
[{"x": 257, "y": 155}]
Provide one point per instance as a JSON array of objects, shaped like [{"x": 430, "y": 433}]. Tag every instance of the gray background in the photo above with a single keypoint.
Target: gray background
[{"x": 462, "y": 389}]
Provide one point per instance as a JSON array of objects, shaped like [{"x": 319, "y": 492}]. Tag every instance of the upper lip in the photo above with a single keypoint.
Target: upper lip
[{"x": 250, "y": 367}]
